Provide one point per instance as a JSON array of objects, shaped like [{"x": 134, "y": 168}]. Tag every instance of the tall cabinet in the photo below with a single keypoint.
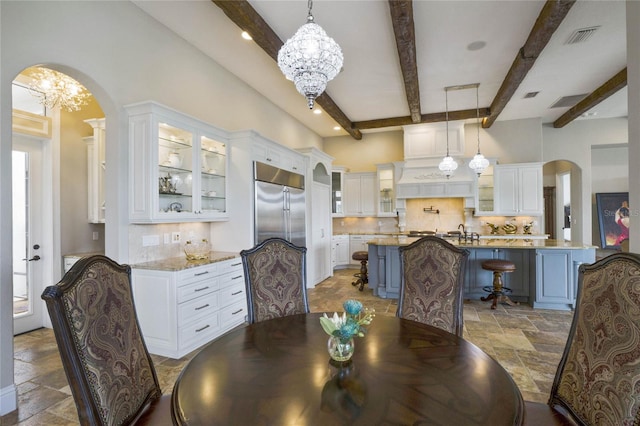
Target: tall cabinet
[
  {"x": 177, "y": 166},
  {"x": 96, "y": 165}
]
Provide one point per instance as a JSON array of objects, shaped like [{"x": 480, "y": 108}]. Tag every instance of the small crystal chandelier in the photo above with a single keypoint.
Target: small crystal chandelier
[
  {"x": 448, "y": 165},
  {"x": 310, "y": 59},
  {"x": 53, "y": 88},
  {"x": 479, "y": 163}
]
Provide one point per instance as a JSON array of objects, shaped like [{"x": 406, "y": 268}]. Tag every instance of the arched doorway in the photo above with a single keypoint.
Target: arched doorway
[
  {"x": 60, "y": 212},
  {"x": 562, "y": 182}
]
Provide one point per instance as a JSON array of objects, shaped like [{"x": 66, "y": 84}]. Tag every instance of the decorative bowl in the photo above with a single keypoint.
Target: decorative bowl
[{"x": 197, "y": 250}]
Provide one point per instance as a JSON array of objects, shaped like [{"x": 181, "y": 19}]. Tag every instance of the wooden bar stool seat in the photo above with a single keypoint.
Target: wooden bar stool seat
[
  {"x": 497, "y": 292},
  {"x": 362, "y": 278}
]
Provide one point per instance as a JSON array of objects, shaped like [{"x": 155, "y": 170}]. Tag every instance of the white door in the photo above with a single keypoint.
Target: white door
[{"x": 27, "y": 234}]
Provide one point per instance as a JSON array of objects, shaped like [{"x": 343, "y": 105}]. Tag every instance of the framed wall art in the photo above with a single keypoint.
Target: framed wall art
[{"x": 613, "y": 218}]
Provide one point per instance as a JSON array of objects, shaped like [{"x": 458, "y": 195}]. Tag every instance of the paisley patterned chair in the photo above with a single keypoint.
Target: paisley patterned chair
[
  {"x": 275, "y": 277},
  {"x": 598, "y": 379},
  {"x": 110, "y": 372},
  {"x": 432, "y": 281}
]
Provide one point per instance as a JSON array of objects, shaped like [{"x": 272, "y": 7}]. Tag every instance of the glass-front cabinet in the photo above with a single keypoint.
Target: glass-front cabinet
[
  {"x": 386, "y": 190},
  {"x": 485, "y": 201},
  {"x": 177, "y": 168},
  {"x": 337, "y": 188}
]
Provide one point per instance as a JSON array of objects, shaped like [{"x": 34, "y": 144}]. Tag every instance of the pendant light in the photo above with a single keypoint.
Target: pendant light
[
  {"x": 448, "y": 165},
  {"x": 310, "y": 59},
  {"x": 479, "y": 164}
]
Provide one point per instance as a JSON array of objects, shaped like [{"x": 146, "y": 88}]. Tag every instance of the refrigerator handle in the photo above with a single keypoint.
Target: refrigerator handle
[{"x": 287, "y": 213}]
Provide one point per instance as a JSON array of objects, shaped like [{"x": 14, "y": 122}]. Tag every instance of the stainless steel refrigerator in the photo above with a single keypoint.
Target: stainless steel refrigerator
[{"x": 279, "y": 204}]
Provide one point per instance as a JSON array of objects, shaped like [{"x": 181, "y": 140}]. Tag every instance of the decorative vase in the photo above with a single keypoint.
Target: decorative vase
[{"x": 338, "y": 350}]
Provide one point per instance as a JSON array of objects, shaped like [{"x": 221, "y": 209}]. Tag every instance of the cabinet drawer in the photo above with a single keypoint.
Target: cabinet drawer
[
  {"x": 197, "y": 308},
  {"x": 233, "y": 315},
  {"x": 230, "y": 266},
  {"x": 232, "y": 279},
  {"x": 197, "y": 289},
  {"x": 232, "y": 294},
  {"x": 199, "y": 331},
  {"x": 191, "y": 275}
]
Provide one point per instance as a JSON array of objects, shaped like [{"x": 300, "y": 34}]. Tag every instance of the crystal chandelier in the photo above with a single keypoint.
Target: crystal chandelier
[
  {"x": 310, "y": 59},
  {"x": 448, "y": 165},
  {"x": 56, "y": 89},
  {"x": 479, "y": 163}
]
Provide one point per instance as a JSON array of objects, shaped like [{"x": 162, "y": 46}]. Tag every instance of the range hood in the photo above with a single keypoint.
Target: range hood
[{"x": 424, "y": 148}]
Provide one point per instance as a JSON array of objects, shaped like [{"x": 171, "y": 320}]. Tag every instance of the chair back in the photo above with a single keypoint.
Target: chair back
[
  {"x": 110, "y": 372},
  {"x": 598, "y": 378},
  {"x": 431, "y": 283},
  {"x": 276, "y": 279}
]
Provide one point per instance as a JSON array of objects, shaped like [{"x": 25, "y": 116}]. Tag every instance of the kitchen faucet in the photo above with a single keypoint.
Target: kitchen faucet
[{"x": 466, "y": 236}]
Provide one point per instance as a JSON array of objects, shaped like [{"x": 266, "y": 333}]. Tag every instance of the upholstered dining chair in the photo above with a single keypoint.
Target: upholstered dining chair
[
  {"x": 110, "y": 372},
  {"x": 598, "y": 378},
  {"x": 431, "y": 283},
  {"x": 275, "y": 278}
]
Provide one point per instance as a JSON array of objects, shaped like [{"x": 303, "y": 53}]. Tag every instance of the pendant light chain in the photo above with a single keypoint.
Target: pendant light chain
[
  {"x": 479, "y": 164},
  {"x": 448, "y": 165}
]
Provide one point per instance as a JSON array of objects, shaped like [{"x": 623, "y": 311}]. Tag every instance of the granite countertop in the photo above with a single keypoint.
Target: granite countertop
[
  {"x": 514, "y": 243},
  {"x": 180, "y": 263},
  {"x": 482, "y": 236}
]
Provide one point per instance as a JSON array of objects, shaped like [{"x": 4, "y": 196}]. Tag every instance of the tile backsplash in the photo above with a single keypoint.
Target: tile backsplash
[
  {"x": 139, "y": 253},
  {"x": 443, "y": 214}
]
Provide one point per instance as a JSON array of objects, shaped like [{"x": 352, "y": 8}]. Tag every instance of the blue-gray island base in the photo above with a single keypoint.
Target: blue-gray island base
[{"x": 546, "y": 273}]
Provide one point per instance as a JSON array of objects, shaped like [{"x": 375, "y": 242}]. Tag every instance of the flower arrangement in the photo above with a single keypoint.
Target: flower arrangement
[{"x": 350, "y": 324}]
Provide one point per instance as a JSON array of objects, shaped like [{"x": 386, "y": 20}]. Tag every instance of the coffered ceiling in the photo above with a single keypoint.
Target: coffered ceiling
[{"x": 518, "y": 51}]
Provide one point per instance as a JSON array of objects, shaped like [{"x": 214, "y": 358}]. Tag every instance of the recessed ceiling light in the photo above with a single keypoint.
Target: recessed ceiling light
[
  {"x": 476, "y": 45},
  {"x": 317, "y": 111},
  {"x": 246, "y": 36},
  {"x": 337, "y": 128}
]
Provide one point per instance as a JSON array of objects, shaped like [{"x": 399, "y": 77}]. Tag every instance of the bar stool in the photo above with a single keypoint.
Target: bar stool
[
  {"x": 498, "y": 293},
  {"x": 362, "y": 278}
]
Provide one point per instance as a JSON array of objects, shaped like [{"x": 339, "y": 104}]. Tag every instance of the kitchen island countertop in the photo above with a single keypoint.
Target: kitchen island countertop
[
  {"x": 514, "y": 243},
  {"x": 180, "y": 263}
]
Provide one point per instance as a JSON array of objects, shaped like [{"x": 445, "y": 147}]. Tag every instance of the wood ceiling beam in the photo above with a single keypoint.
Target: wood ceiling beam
[
  {"x": 424, "y": 118},
  {"x": 404, "y": 30},
  {"x": 247, "y": 19},
  {"x": 552, "y": 14},
  {"x": 614, "y": 84}
]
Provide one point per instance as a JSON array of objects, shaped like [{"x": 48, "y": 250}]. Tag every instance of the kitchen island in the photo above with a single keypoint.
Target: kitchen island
[{"x": 546, "y": 273}]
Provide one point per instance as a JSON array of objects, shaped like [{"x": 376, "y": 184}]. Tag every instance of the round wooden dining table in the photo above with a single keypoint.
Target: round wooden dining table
[{"x": 278, "y": 372}]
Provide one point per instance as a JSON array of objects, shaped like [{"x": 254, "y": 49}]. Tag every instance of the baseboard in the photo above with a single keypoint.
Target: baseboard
[{"x": 8, "y": 399}]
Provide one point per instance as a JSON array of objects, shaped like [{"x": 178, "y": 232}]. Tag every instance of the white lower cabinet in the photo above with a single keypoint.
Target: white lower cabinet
[
  {"x": 179, "y": 311},
  {"x": 340, "y": 251}
]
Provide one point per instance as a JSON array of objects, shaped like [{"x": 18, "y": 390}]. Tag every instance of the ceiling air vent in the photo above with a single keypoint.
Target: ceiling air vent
[
  {"x": 568, "y": 101},
  {"x": 531, "y": 95},
  {"x": 581, "y": 35}
]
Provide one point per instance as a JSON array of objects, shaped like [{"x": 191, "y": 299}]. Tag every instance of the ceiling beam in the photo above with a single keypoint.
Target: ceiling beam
[
  {"x": 425, "y": 118},
  {"x": 614, "y": 84},
  {"x": 552, "y": 14},
  {"x": 247, "y": 19},
  {"x": 404, "y": 30}
]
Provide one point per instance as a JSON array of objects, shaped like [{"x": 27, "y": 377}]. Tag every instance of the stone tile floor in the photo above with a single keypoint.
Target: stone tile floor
[{"x": 528, "y": 343}]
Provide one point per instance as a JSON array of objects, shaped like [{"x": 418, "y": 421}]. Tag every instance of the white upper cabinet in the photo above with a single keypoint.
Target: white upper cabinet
[
  {"x": 177, "y": 167},
  {"x": 518, "y": 189},
  {"x": 386, "y": 190},
  {"x": 430, "y": 140},
  {"x": 359, "y": 194}
]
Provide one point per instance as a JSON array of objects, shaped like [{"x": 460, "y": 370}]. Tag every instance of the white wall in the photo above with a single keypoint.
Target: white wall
[{"x": 122, "y": 56}]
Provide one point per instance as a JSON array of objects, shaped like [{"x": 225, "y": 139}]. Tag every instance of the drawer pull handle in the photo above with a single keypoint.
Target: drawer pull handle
[
  {"x": 237, "y": 292},
  {"x": 201, "y": 289},
  {"x": 236, "y": 264},
  {"x": 236, "y": 312},
  {"x": 235, "y": 278},
  {"x": 201, "y": 273},
  {"x": 198, "y": 330},
  {"x": 202, "y": 307}
]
